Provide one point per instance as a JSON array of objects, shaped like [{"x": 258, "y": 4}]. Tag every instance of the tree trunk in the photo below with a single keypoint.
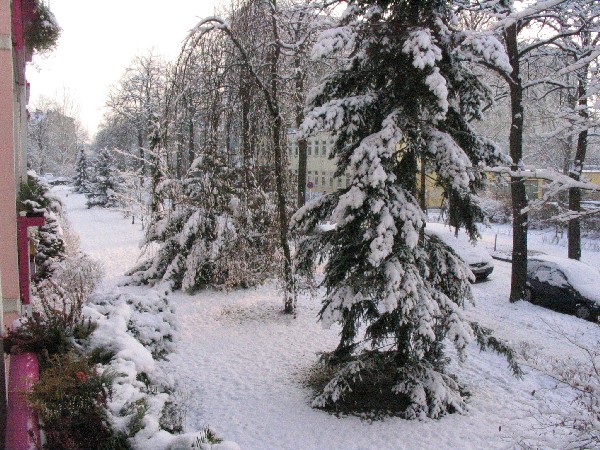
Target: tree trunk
[
  {"x": 574, "y": 232},
  {"x": 517, "y": 186},
  {"x": 299, "y": 116},
  {"x": 302, "y": 167},
  {"x": 245, "y": 118},
  {"x": 141, "y": 154},
  {"x": 277, "y": 126},
  {"x": 191, "y": 143},
  {"x": 423, "y": 187}
]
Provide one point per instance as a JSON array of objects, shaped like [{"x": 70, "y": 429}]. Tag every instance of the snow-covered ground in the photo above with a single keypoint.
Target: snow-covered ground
[{"x": 241, "y": 365}]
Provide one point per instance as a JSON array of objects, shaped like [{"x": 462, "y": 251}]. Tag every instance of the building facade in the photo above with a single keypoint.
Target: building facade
[
  {"x": 15, "y": 17},
  {"x": 320, "y": 169}
]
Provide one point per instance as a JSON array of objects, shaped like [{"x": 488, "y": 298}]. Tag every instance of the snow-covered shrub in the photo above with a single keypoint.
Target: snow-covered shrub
[
  {"x": 70, "y": 399},
  {"x": 42, "y": 30},
  {"x": 106, "y": 183},
  {"x": 134, "y": 197},
  {"x": 153, "y": 324},
  {"x": 35, "y": 198},
  {"x": 78, "y": 276},
  {"x": 141, "y": 391},
  {"x": 576, "y": 378},
  {"x": 544, "y": 217},
  {"x": 54, "y": 326},
  {"x": 57, "y": 321},
  {"x": 213, "y": 234},
  {"x": 496, "y": 210}
]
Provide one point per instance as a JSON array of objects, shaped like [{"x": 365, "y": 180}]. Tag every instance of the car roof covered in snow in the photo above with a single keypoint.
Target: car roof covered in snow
[
  {"x": 467, "y": 250},
  {"x": 583, "y": 277}
]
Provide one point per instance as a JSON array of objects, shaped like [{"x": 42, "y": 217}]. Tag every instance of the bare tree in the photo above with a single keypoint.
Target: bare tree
[
  {"x": 138, "y": 99},
  {"x": 524, "y": 28},
  {"x": 265, "y": 74},
  {"x": 55, "y": 135}
]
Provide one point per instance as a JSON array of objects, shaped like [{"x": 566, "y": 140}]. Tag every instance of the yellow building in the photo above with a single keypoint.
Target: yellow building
[
  {"x": 319, "y": 167},
  {"x": 321, "y": 170}
]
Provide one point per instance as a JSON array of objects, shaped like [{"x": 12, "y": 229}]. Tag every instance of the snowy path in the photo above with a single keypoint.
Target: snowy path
[
  {"x": 241, "y": 364},
  {"x": 104, "y": 234}
]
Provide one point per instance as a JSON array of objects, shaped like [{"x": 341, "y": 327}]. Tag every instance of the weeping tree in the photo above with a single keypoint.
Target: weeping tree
[
  {"x": 263, "y": 70},
  {"x": 213, "y": 225},
  {"x": 403, "y": 97}
]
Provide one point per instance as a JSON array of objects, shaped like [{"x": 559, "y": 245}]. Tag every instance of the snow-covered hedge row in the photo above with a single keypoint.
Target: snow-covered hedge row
[{"x": 134, "y": 331}]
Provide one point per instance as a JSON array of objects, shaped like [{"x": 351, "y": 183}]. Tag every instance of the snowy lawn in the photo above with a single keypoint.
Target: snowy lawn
[{"x": 241, "y": 365}]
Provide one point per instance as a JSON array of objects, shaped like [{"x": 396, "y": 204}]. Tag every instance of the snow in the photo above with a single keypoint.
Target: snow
[
  {"x": 241, "y": 365},
  {"x": 470, "y": 252},
  {"x": 420, "y": 45},
  {"x": 333, "y": 40}
]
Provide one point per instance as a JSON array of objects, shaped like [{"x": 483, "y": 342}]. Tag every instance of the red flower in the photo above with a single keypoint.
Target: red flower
[{"x": 81, "y": 376}]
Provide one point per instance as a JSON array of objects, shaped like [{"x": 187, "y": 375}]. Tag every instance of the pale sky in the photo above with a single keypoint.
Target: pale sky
[{"x": 99, "y": 40}]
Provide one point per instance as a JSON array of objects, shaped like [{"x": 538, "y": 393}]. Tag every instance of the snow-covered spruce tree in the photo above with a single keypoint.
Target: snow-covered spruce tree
[
  {"x": 404, "y": 96},
  {"x": 82, "y": 178},
  {"x": 216, "y": 234},
  {"x": 35, "y": 198},
  {"x": 105, "y": 185}
]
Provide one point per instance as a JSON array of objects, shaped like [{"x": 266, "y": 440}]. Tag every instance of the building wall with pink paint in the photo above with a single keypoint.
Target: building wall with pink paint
[
  {"x": 13, "y": 166},
  {"x": 13, "y": 125},
  {"x": 10, "y": 129}
]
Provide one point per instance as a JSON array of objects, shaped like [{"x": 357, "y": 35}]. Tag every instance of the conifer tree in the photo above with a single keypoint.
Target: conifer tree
[
  {"x": 404, "y": 96},
  {"x": 35, "y": 198},
  {"x": 81, "y": 181},
  {"x": 104, "y": 187},
  {"x": 216, "y": 234}
]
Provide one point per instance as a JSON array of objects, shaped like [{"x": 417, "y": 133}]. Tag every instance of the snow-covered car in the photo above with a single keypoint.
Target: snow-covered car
[
  {"x": 564, "y": 285},
  {"x": 59, "y": 181},
  {"x": 480, "y": 262}
]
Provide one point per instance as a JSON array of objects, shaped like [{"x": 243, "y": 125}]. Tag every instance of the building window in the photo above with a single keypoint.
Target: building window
[
  {"x": 339, "y": 182},
  {"x": 316, "y": 181},
  {"x": 323, "y": 181},
  {"x": 323, "y": 148},
  {"x": 330, "y": 181},
  {"x": 531, "y": 188},
  {"x": 296, "y": 149},
  {"x": 309, "y": 151},
  {"x": 347, "y": 180}
]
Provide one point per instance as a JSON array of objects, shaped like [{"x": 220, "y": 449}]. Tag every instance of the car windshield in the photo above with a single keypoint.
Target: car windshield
[{"x": 547, "y": 273}]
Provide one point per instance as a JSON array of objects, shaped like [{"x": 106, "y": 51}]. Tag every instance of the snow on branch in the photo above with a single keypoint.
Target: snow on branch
[
  {"x": 213, "y": 23},
  {"x": 557, "y": 183},
  {"x": 544, "y": 174},
  {"x": 526, "y": 13},
  {"x": 579, "y": 64}
]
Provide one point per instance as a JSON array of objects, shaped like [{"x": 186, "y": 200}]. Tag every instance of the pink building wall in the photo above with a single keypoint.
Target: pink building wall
[{"x": 10, "y": 127}]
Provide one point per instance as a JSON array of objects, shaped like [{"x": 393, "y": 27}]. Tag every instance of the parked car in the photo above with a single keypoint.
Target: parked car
[
  {"x": 564, "y": 285},
  {"x": 59, "y": 181},
  {"x": 480, "y": 262}
]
